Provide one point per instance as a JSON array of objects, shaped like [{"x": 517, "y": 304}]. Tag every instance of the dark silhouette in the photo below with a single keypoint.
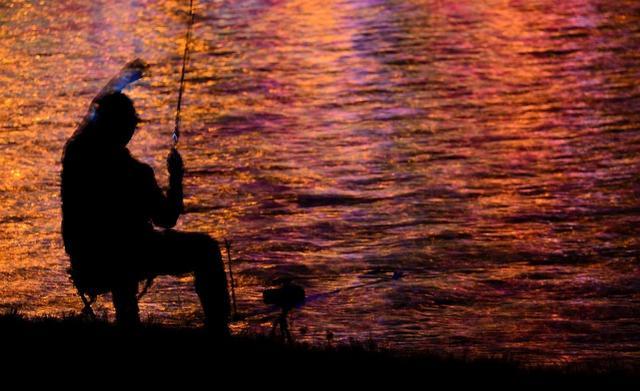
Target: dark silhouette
[
  {"x": 286, "y": 297},
  {"x": 110, "y": 205}
]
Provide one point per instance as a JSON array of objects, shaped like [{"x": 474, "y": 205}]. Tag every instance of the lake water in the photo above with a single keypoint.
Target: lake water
[{"x": 489, "y": 150}]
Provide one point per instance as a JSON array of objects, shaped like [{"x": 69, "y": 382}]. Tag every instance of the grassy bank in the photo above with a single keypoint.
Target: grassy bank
[{"x": 95, "y": 343}]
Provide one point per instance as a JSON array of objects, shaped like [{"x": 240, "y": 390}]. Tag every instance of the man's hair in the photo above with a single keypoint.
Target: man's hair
[{"x": 115, "y": 107}]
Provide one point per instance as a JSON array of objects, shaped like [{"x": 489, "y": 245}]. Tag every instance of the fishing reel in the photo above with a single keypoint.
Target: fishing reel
[{"x": 286, "y": 297}]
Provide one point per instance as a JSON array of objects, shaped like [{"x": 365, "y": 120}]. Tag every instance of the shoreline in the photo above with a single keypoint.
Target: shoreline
[{"x": 99, "y": 341}]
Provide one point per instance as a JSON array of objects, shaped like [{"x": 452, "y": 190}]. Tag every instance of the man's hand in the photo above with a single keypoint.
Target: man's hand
[{"x": 175, "y": 165}]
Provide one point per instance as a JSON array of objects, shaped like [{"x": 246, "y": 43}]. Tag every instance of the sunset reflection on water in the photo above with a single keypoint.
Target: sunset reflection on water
[{"x": 487, "y": 149}]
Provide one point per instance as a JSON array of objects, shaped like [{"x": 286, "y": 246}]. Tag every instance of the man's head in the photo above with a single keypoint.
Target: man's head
[{"x": 116, "y": 117}]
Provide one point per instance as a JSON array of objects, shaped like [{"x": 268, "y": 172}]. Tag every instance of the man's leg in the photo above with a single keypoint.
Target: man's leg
[
  {"x": 211, "y": 286},
  {"x": 184, "y": 252},
  {"x": 126, "y": 304}
]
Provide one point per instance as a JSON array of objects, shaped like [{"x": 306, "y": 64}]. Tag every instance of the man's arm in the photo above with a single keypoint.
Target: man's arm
[{"x": 166, "y": 209}]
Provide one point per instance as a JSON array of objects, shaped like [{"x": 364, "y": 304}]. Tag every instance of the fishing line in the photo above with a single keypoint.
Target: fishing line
[
  {"x": 185, "y": 59},
  {"x": 397, "y": 275}
]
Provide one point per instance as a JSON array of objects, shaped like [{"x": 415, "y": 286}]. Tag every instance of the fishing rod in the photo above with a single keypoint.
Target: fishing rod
[
  {"x": 185, "y": 58},
  {"x": 176, "y": 135}
]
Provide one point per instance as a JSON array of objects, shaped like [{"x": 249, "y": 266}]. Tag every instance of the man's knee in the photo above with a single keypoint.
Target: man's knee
[
  {"x": 206, "y": 244},
  {"x": 212, "y": 244},
  {"x": 190, "y": 251},
  {"x": 206, "y": 250}
]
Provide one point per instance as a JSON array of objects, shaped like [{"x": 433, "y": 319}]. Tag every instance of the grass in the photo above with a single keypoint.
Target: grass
[{"x": 94, "y": 343}]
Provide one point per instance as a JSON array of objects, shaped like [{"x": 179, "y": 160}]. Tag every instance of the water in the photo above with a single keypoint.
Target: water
[{"x": 488, "y": 149}]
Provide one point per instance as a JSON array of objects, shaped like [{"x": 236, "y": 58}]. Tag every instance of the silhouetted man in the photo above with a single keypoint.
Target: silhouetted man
[{"x": 110, "y": 204}]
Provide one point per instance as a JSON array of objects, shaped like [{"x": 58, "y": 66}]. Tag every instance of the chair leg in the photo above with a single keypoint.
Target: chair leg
[{"x": 87, "y": 310}]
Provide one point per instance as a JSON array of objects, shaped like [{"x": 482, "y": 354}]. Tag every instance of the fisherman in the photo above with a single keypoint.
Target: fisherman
[{"x": 111, "y": 204}]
